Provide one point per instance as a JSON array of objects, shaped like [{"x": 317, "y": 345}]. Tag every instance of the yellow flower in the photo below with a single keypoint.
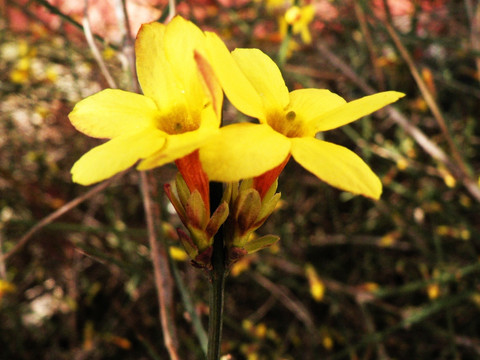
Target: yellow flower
[
  {"x": 179, "y": 111},
  {"x": 299, "y": 18},
  {"x": 288, "y": 124}
]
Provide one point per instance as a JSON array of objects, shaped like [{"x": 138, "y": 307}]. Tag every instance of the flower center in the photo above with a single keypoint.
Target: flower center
[
  {"x": 286, "y": 123},
  {"x": 177, "y": 121}
]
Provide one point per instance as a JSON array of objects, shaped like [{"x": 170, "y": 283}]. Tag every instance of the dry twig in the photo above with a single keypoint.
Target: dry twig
[
  {"x": 56, "y": 214},
  {"x": 96, "y": 53},
  {"x": 162, "y": 274},
  {"x": 428, "y": 145},
  {"x": 288, "y": 300}
]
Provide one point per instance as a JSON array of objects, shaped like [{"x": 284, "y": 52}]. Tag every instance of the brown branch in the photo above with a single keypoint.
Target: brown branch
[
  {"x": 128, "y": 46},
  {"x": 56, "y": 214},
  {"x": 3, "y": 268},
  {"x": 370, "y": 45},
  {"x": 428, "y": 146},
  {"x": 429, "y": 99},
  {"x": 161, "y": 270},
  {"x": 288, "y": 300},
  {"x": 473, "y": 14},
  {"x": 93, "y": 47}
]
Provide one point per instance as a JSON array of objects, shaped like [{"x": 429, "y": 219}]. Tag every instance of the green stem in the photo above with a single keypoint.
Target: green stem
[
  {"x": 282, "y": 52},
  {"x": 217, "y": 286}
]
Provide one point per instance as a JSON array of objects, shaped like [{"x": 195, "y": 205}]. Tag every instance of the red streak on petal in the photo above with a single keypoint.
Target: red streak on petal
[
  {"x": 210, "y": 82},
  {"x": 193, "y": 174},
  {"x": 263, "y": 182}
]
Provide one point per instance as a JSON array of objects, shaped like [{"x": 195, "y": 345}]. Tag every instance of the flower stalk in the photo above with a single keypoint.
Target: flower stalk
[{"x": 217, "y": 282}]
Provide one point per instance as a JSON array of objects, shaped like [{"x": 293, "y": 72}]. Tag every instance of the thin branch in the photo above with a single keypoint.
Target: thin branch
[
  {"x": 3, "y": 268},
  {"x": 188, "y": 302},
  {"x": 473, "y": 14},
  {"x": 410, "y": 318},
  {"x": 288, "y": 300},
  {"x": 370, "y": 45},
  {"x": 128, "y": 47},
  {"x": 427, "y": 95},
  {"x": 56, "y": 214},
  {"x": 370, "y": 328},
  {"x": 171, "y": 11},
  {"x": 428, "y": 146},
  {"x": 57, "y": 12},
  {"x": 93, "y": 47},
  {"x": 161, "y": 270}
]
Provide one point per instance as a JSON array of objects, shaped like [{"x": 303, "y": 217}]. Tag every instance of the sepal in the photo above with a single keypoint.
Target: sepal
[
  {"x": 196, "y": 211},
  {"x": 190, "y": 248},
  {"x": 246, "y": 209},
  {"x": 174, "y": 199},
  {"x": 248, "y": 212},
  {"x": 260, "y": 243},
  {"x": 217, "y": 219}
]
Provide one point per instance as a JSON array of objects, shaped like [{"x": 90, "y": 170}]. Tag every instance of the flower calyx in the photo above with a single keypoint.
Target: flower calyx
[
  {"x": 194, "y": 214},
  {"x": 248, "y": 212}
]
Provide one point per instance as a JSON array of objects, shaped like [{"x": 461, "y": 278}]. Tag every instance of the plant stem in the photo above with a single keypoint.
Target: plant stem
[
  {"x": 282, "y": 52},
  {"x": 217, "y": 279},
  {"x": 216, "y": 305}
]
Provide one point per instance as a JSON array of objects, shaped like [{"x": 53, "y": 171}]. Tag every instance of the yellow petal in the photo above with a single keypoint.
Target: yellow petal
[
  {"x": 111, "y": 113},
  {"x": 154, "y": 71},
  {"x": 210, "y": 118},
  {"x": 243, "y": 151},
  {"x": 237, "y": 87},
  {"x": 178, "y": 146},
  {"x": 265, "y": 76},
  {"x": 337, "y": 166},
  {"x": 309, "y": 104},
  {"x": 116, "y": 155},
  {"x": 182, "y": 38},
  {"x": 354, "y": 110}
]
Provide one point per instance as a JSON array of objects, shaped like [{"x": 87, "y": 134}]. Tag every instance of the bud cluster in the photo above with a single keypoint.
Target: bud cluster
[
  {"x": 248, "y": 211},
  {"x": 194, "y": 214},
  {"x": 242, "y": 211}
]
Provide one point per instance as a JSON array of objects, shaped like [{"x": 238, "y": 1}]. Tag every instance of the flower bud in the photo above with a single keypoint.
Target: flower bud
[
  {"x": 194, "y": 214},
  {"x": 248, "y": 212}
]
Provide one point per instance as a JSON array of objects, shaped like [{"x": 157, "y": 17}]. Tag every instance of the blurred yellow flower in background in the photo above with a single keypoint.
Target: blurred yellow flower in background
[{"x": 300, "y": 18}]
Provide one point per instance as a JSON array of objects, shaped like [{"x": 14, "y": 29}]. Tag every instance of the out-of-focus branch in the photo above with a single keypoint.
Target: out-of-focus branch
[
  {"x": 288, "y": 300},
  {"x": 128, "y": 47},
  {"x": 460, "y": 169},
  {"x": 56, "y": 214},
  {"x": 370, "y": 45},
  {"x": 473, "y": 13},
  {"x": 428, "y": 146},
  {"x": 171, "y": 11},
  {"x": 427, "y": 95},
  {"x": 54, "y": 10},
  {"x": 3, "y": 268},
  {"x": 93, "y": 47},
  {"x": 161, "y": 270}
]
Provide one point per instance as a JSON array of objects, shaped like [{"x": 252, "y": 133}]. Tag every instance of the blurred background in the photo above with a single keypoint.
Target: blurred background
[{"x": 350, "y": 278}]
